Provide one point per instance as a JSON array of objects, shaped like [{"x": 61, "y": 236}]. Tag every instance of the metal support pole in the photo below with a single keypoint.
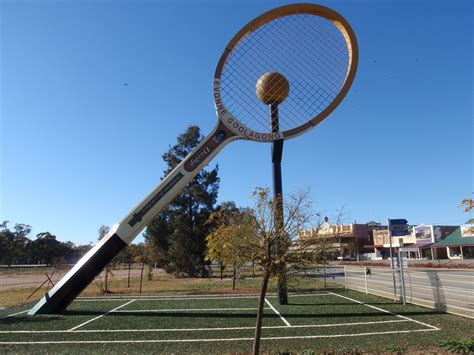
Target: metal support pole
[
  {"x": 345, "y": 276},
  {"x": 391, "y": 261},
  {"x": 366, "y": 285},
  {"x": 402, "y": 277},
  {"x": 277, "y": 152},
  {"x": 438, "y": 293}
]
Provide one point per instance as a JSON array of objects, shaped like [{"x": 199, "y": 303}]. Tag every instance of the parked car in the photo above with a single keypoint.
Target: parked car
[{"x": 347, "y": 258}]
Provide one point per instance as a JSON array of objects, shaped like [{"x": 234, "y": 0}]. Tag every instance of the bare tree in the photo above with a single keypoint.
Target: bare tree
[
  {"x": 104, "y": 286},
  {"x": 255, "y": 236}
]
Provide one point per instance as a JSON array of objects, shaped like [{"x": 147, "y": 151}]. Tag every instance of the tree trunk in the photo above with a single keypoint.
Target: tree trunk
[
  {"x": 150, "y": 273},
  {"x": 106, "y": 288},
  {"x": 234, "y": 274},
  {"x": 129, "y": 267},
  {"x": 141, "y": 277},
  {"x": 261, "y": 303},
  {"x": 324, "y": 265},
  {"x": 222, "y": 270}
]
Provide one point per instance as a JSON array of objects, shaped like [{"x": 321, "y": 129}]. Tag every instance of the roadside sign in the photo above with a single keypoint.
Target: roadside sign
[
  {"x": 398, "y": 222},
  {"x": 398, "y": 227},
  {"x": 398, "y": 232},
  {"x": 396, "y": 263},
  {"x": 409, "y": 249}
]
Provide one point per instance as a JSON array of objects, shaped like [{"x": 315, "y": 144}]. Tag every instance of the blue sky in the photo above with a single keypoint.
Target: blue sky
[{"x": 79, "y": 148}]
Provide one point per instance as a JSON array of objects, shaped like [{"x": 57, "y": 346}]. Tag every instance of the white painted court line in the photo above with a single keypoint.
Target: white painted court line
[
  {"x": 270, "y": 294},
  {"x": 167, "y": 299},
  {"x": 179, "y": 298},
  {"x": 13, "y": 314},
  {"x": 102, "y": 315},
  {"x": 385, "y": 311},
  {"x": 176, "y": 296},
  {"x": 182, "y": 310},
  {"x": 207, "y": 340},
  {"x": 304, "y": 294},
  {"x": 278, "y": 313},
  {"x": 162, "y": 330}
]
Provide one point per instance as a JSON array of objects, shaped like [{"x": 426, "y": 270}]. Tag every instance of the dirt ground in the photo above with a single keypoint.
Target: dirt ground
[{"x": 17, "y": 279}]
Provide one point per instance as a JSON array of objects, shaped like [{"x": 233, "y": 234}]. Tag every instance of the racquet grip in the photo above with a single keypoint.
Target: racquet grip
[{"x": 76, "y": 280}]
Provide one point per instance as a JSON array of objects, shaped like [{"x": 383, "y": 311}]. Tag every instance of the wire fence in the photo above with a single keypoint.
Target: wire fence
[{"x": 446, "y": 291}]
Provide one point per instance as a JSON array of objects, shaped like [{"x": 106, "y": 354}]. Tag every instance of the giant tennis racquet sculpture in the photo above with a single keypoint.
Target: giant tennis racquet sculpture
[{"x": 301, "y": 57}]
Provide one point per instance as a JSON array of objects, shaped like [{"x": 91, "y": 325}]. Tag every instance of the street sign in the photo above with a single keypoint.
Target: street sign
[
  {"x": 398, "y": 231},
  {"x": 398, "y": 222},
  {"x": 396, "y": 263},
  {"x": 398, "y": 227},
  {"x": 409, "y": 249}
]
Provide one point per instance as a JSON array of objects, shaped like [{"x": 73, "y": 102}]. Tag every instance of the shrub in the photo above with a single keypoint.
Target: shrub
[{"x": 458, "y": 345}]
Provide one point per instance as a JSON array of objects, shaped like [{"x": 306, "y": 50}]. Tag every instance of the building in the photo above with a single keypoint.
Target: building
[
  {"x": 458, "y": 245},
  {"x": 371, "y": 241},
  {"x": 346, "y": 241},
  {"x": 416, "y": 243}
]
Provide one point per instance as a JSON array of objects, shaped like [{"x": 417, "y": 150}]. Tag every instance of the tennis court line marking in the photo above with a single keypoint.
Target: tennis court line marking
[
  {"x": 277, "y": 313},
  {"x": 385, "y": 311},
  {"x": 334, "y": 325},
  {"x": 269, "y": 294},
  {"x": 182, "y": 310},
  {"x": 179, "y": 298},
  {"x": 13, "y": 314},
  {"x": 102, "y": 315},
  {"x": 208, "y": 340}
]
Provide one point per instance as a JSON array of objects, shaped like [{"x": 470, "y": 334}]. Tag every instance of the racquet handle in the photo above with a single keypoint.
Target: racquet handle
[{"x": 79, "y": 277}]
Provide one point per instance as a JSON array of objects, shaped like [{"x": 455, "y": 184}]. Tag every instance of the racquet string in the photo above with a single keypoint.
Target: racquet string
[{"x": 310, "y": 51}]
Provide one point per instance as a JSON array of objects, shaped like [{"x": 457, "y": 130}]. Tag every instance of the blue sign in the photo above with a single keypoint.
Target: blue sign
[
  {"x": 398, "y": 227},
  {"x": 398, "y": 222},
  {"x": 398, "y": 232}
]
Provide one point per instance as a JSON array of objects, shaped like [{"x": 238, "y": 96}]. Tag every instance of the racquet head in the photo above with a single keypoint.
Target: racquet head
[{"x": 312, "y": 47}]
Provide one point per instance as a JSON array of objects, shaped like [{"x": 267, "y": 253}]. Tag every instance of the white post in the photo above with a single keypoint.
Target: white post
[
  {"x": 402, "y": 278},
  {"x": 345, "y": 276},
  {"x": 438, "y": 295},
  {"x": 391, "y": 261},
  {"x": 366, "y": 285}
]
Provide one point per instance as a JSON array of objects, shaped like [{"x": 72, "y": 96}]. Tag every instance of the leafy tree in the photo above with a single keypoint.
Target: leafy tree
[
  {"x": 374, "y": 224},
  {"x": 46, "y": 249},
  {"x": 78, "y": 251},
  {"x": 178, "y": 233},
  {"x": 14, "y": 243},
  {"x": 228, "y": 241},
  {"x": 103, "y": 230},
  {"x": 157, "y": 235},
  {"x": 467, "y": 204}
]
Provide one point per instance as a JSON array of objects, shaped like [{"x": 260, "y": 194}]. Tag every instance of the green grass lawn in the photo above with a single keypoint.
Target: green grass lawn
[{"x": 329, "y": 320}]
